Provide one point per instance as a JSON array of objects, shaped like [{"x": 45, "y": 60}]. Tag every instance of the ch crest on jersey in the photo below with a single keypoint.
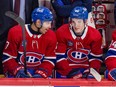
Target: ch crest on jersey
[
  {"x": 33, "y": 59},
  {"x": 78, "y": 56},
  {"x": 70, "y": 43}
]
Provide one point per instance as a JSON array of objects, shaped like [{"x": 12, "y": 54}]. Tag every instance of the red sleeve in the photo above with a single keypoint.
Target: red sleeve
[
  {"x": 96, "y": 46},
  {"x": 10, "y": 50},
  {"x": 62, "y": 64},
  {"x": 110, "y": 59},
  {"x": 96, "y": 52},
  {"x": 50, "y": 56},
  {"x": 61, "y": 45}
]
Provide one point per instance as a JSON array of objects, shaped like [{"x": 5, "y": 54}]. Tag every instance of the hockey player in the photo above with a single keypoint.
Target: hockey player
[
  {"x": 79, "y": 47},
  {"x": 110, "y": 59},
  {"x": 40, "y": 45}
]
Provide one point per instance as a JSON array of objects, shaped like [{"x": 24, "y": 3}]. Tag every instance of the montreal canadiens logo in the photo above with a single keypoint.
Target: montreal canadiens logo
[
  {"x": 78, "y": 56},
  {"x": 33, "y": 59}
]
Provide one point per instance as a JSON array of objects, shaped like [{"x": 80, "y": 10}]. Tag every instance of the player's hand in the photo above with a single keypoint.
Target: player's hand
[
  {"x": 87, "y": 74},
  {"x": 40, "y": 74},
  {"x": 75, "y": 73},
  {"x": 19, "y": 73},
  {"x": 112, "y": 74}
]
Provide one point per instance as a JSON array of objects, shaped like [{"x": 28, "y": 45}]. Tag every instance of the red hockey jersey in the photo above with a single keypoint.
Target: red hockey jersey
[
  {"x": 110, "y": 59},
  {"x": 78, "y": 52},
  {"x": 40, "y": 51}
]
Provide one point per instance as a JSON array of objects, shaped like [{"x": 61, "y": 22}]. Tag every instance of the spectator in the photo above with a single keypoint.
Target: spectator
[
  {"x": 79, "y": 47},
  {"x": 40, "y": 54}
]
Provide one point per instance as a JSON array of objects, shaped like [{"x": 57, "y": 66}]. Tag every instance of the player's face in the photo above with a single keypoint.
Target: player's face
[
  {"x": 78, "y": 25},
  {"x": 45, "y": 27}
]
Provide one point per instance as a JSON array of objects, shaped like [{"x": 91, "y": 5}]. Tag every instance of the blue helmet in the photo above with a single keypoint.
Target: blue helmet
[
  {"x": 79, "y": 12},
  {"x": 41, "y": 13}
]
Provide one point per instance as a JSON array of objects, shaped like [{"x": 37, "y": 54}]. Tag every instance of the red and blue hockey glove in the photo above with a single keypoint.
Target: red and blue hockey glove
[
  {"x": 112, "y": 74},
  {"x": 40, "y": 74},
  {"x": 19, "y": 73},
  {"x": 75, "y": 73}
]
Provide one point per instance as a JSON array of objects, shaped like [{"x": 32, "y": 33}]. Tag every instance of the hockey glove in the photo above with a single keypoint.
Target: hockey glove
[
  {"x": 40, "y": 74},
  {"x": 87, "y": 74},
  {"x": 19, "y": 73},
  {"x": 112, "y": 74},
  {"x": 75, "y": 73},
  {"x": 60, "y": 2}
]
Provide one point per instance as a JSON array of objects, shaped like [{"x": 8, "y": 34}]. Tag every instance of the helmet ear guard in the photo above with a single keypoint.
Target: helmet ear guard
[
  {"x": 42, "y": 13},
  {"x": 79, "y": 13}
]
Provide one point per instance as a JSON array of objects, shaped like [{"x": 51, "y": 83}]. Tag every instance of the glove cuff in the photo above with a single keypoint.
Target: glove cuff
[
  {"x": 75, "y": 73},
  {"x": 17, "y": 69},
  {"x": 86, "y": 71},
  {"x": 42, "y": 73},
  {"x": 112, "y": 74}
]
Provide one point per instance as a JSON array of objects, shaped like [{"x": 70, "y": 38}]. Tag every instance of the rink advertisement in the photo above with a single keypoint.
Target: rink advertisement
[{"x": 36, "y": 82}]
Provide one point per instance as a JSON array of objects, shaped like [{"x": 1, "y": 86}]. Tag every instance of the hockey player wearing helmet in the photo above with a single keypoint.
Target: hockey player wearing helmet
[
  {"x": 45, "y": 19},
  {"x": 79, "y": 47},
  {"x": 40, "y": 45}
]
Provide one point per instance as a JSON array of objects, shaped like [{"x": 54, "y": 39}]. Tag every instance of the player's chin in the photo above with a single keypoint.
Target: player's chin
[{"x": 78, "y": 32}]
